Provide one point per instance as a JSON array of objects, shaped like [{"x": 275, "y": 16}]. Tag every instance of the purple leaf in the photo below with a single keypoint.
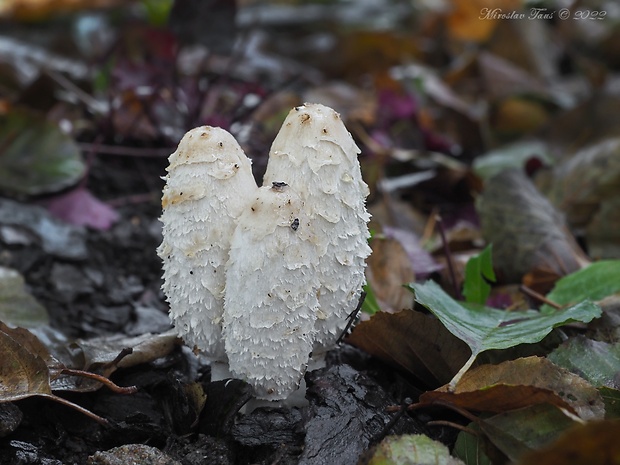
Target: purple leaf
[{"x": 82, "y": 208}]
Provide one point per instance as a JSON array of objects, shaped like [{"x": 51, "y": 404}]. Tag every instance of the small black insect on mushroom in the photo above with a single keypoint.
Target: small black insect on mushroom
[
  {"x": 295, "y": 224},
  {"x": 278, "y": 186}
]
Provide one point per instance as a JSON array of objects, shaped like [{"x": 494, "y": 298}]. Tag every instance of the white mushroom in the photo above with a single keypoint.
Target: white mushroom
[
  {"x": 271, "y": 294},
  {"x": 314, "y": 153},
  {"x": 208, "y": 184}
]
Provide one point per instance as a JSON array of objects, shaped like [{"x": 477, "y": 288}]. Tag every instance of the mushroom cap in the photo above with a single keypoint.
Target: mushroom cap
[
  {"x": 208, "y": 184},
  {"x": 315, "y": 153}
]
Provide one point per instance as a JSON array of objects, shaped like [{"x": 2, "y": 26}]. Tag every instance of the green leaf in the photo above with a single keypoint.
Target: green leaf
[
  {"x": 483, "y": 328},
  {"x": 470, "y": 448},
  {"x": 595, "y": 361},
  {"x": 599, "y": 280},
  {"x": 370, "y": 305},
  {"x": 35, "y": 156},
  {"x": 17, "y": 306},
  {"x": 412, "y": 449},
  {"x": 478, "y": 271},
  {"x": 611, "y": 398}
]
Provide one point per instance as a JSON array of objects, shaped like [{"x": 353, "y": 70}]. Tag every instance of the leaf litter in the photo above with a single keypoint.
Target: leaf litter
[{"x": 425, "y": 110}]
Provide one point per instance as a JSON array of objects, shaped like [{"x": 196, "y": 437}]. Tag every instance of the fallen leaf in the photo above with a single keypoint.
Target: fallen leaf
[
  {"x": 17, "y": 306},
  {"x": 595, "y": 282},
  {"x": 520, "y": 431},
  {"x": 411, "y": 449},
  {"x": 595, "y": 361},
  {"x": 413, "y": 342},
  {"x": 55, "y": 237},
  {"x": 472, "y": 448},
  {"x": 581, "y": 182},
  {"x": 81, "y": 208},
  {"x": 474, "y": 20},
  {"x": 520, "y": 383},
  {"x": 594, "y": 443},
  {"x": 526, "y": 231},
  {"x": 484, "y": 328},
  {"x": 388, "y": 269},
  {"x": 35, "y": 156}
]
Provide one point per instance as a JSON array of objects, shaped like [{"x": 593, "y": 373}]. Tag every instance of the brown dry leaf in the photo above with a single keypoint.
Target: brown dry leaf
[
  {"x": 594, "y": 443},
  {"x": 414, "y": 342},
  {"x": 388, "y": 269},
  {"x": 22, "y": 373},
  {"x": 473, "y": 19},
  {"x": 520, "y": 383}
]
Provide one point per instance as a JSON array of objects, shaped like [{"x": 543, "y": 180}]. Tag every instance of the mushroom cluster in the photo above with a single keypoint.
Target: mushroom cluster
[{"x": 261, "y": 279}]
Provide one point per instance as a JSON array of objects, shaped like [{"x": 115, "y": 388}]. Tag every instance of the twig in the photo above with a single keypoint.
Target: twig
[
  {"x": 88, "y": 413},
  {"x": 446, "y": 250},
  {"x": 541, "y": 298},
  {"x": 451, "y": 424},
  {"x": 102, "y": 379},
  {"x": 352, "y": 317}
]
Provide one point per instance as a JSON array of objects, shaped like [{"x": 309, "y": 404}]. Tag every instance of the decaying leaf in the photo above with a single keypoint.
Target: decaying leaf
[
  {"x": 484, "y": 328},
  {"x": 594, "y": 443},
  {"x": 24, "y": 373},
  {"x": 520, "y": 431},
  {"x": 416, "y": 343},
  {"x": 596, "y": 361},
  {"x": 520, "y": 383},
  {"x": 412, "y": 449},
  {"x": 527, "y": 232}
]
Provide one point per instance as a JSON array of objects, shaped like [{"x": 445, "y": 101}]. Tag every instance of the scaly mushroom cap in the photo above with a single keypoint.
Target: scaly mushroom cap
[
  {"x": 208, "y": 184},
  {"x": 315, "y": 153},
  {"x": 270, "y": 300}
]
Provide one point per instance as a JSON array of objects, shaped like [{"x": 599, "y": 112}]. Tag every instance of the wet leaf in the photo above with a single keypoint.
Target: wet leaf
[
  {"x": 595, "y": 361},
  {"x": 412, "y": 449},
  {"x": 484, "y": 328},
  {"x": 35, "y": 156},
  {"x": 520, "y": 383},
  {"x": 17, "y": 306},
  {"x": 478, "y": 273},
  {"x": 595, "y": 282},
  {"x": 411, "y": 341},
  {"x": 594, "y": 443},
  {"x": 520, "y": 431}
]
